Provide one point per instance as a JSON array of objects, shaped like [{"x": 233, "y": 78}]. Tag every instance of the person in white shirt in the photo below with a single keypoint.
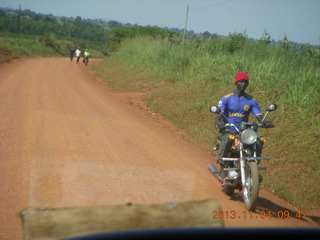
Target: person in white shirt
[{"x": 78, "y": 54}]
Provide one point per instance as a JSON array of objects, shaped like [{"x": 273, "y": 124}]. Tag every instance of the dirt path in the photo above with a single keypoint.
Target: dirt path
[{"x": 68, "y": 141}]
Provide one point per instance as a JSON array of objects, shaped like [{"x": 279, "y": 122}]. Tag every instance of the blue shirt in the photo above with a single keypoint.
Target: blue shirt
[{"x": 237, "y": 109}]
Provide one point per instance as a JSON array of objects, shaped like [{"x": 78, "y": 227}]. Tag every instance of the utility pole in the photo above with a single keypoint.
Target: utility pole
[
  {"x": 186, "y": 24},
  {"x": 18, "y": 23}
]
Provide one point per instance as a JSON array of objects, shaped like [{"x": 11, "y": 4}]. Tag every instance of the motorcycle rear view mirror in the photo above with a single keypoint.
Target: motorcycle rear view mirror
[
  {"x": 272, "y": 107},
  {"x": 215, "y": 109}
]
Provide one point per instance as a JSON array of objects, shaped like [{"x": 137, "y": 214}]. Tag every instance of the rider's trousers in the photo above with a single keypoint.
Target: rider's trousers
[{"x": 226, "y": 143}]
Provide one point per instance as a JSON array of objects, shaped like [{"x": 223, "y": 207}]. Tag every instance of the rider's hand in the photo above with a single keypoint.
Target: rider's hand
[
  {"x": 268, "y": 124},
  {"x": 218, "y": 121},
  {"x": 220, "y": 124}
]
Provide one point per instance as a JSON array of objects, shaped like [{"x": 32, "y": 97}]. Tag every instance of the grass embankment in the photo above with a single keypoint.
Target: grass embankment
[
  {"x": 21, "y": 45},
  {"x": 198, "y": 73}
]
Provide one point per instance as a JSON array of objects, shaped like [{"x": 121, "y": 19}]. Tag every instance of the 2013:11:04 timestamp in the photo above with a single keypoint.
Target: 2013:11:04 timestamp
[{"x": 232, "y": 214}]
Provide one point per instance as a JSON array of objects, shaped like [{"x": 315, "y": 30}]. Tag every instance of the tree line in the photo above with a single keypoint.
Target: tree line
[
  {"x": 112, "y": 32},
  {"x": 28, "y": 22}
]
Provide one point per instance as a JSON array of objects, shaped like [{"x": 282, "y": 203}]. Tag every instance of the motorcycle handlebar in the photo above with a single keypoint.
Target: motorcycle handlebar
[
  {"x": 260, "y": 125},
  {"x": 227, "y": 125}
]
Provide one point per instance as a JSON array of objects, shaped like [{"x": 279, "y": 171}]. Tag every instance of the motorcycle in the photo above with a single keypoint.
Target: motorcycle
[
  {"x": 86, "y": 60},
  {"x": 241, "y": 166}
]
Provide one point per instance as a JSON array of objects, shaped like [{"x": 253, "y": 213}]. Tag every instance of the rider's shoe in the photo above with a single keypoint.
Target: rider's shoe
[{"x": 217, "y": 147}]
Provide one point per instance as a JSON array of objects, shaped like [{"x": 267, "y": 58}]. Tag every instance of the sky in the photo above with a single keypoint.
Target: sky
[{"x": 299, "y": 19}]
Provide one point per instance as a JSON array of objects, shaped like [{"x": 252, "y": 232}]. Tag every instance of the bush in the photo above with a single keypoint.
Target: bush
[{"x": 120, "y": 33}]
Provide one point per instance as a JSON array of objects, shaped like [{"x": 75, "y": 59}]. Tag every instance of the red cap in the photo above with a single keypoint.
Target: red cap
[{"x": 241, "y": 76}]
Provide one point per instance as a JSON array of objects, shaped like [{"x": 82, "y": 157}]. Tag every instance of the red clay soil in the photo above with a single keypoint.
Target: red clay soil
[{"x": 66, "y": 141}]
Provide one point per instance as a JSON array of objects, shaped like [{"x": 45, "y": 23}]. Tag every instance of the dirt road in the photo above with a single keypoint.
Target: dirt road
[{"x": 68, "y": 141}]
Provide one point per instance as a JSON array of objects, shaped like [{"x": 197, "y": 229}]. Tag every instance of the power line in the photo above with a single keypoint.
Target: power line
[{"x": 213, "y": 5}]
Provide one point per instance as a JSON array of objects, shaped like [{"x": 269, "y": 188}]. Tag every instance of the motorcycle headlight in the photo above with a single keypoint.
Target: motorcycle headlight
[{"x": 249, "y": 136}]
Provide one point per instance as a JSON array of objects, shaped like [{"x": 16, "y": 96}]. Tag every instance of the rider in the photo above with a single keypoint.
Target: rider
[
  {"x": 236, "y": 106},
  {"x": 86, "y": 55},
  {"x": 71, "y": 54}
]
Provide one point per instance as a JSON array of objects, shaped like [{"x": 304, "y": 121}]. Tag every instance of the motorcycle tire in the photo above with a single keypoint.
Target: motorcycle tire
[{"x": 251, "y": 190}]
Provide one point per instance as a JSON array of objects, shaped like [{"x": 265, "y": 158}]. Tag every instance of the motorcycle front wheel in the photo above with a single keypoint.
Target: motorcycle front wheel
[{"x": 251, "y": 188}]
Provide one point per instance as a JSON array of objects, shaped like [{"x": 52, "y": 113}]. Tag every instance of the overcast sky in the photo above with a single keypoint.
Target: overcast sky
[{"x": 299, "y": 19}]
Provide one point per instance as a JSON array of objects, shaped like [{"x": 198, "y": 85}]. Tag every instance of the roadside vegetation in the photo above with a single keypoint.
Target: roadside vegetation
[
  {"x": 24, "y": 33},
  {"x": 14, "y": 45},
  {"x": 193, "y": 75},
  {"x": 27, "y": 34}
]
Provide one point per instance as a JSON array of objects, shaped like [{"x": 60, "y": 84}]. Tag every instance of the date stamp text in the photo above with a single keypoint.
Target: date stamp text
[{"x": 232, "y": 214}]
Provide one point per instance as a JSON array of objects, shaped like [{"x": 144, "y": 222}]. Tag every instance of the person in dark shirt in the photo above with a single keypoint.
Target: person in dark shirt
[{"x": 71, "y": 54}]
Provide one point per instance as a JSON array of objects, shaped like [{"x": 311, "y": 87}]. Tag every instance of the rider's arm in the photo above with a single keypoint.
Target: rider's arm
[
  {"x": 222, "y": 105},
  {"x": 259, "y": 118},
  {"x": 218, "y": 120}
]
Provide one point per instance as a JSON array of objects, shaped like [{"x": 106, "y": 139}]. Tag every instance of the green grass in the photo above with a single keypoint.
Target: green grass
[{"x": 199, "y": 72}]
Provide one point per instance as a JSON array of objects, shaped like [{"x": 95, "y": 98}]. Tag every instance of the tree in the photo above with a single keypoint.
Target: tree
[
  {"x": 206, "y": 34},
  {"x": 78, "y": 20},
  {"x": 235, "y": 41},
  {"x": 285, "y": 41}
]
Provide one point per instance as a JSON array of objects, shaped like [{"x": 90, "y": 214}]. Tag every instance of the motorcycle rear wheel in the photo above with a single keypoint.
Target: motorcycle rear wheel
[{"x": 251, "y": 189}]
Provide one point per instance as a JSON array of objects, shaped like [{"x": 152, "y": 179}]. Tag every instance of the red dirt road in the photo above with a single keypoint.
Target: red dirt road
[{"x": 68, "y": 141}]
